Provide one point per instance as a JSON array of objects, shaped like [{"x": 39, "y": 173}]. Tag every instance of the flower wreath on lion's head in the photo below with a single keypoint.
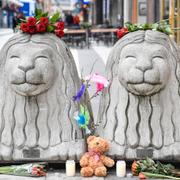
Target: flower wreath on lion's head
[
  {"x": 161, "y": 26},
  {"x": 41, "y": 23}
]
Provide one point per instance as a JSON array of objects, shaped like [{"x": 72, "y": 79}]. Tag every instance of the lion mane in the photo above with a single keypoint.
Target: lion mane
[
  {"x": 132, "y": 122},
  {"x": 44, "y": 122}
]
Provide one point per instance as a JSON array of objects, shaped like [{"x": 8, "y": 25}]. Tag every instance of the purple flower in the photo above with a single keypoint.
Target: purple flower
[{"x": 79, "y": 94}]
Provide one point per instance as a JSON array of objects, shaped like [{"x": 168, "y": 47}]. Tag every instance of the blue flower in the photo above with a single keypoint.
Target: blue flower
[
  {"x": 82, "y": 117},
  {"x": 80, "y": 93}
]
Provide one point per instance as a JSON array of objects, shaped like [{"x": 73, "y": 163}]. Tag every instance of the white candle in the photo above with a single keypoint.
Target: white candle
[
  {"x": 121, "y": 168},
  {"x": 70, "y": 168}
]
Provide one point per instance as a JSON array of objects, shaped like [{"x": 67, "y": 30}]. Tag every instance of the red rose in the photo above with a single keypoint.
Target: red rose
[
  {"x": 41, "y": 27},
  {"x": 59, "y": 33},
  {"x": 24, "y": 27},
  {"x": 44, "y": 20},
  {"x": 60, "y": 25},
  {"x": 122, "y": 32},
  {"x": 31, "y": 21},
  {"x": 32, "y": 29}
]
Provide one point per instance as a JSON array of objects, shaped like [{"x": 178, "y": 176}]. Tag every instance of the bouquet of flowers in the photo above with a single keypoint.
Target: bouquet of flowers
[
  {"x": 41, "y": 23},
  {"x": 148, "y": 168},
  {"x": 161, "y": 26},
  {"x": 29, "y": 170},
  {"x": 82, "y": 116}
]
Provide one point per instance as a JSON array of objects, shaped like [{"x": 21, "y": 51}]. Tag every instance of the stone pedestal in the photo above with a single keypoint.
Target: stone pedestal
[
  {"x": 140, "y": 111},
  {"x": 38, "y": 78}
]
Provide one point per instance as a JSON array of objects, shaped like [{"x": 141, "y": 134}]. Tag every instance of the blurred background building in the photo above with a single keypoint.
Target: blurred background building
[
  {"x": 116, "y": 12},
  {"x": 99, "y": 13}
]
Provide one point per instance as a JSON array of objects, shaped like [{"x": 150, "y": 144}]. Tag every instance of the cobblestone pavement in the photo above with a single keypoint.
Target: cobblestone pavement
[{"x": 62, "y": 176}]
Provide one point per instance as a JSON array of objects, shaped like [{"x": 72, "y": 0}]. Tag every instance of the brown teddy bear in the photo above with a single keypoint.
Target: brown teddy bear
[{"x": 93, "y": 161}]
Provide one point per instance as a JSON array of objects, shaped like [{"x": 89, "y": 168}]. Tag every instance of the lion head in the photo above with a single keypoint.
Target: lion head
[
  {"x": 144, "y": 73},
  {"x": 38, "y": 79},
  {"x": 30, "y": 69},
  {"x": 139, "y": 110}
]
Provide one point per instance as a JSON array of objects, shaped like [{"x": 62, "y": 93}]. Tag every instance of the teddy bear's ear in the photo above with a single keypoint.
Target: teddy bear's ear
[
  {"x": 90, "y": 138},
  {"x": 107, "y": 146}
]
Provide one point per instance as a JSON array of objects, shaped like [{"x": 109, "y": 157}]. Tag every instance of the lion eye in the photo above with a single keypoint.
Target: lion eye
[
  {"x": 97, "y": 143},
  {"x": 14, "y": 57},
  {"x": 158, "y": 57},
  {"x": 129, "y": 57},
  {"x": 42, "y": 57}
]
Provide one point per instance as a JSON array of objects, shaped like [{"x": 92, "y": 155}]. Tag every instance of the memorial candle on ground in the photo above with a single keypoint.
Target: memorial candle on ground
[
  {"x": 70, "y": 168},
  {"x": 121, "y": 168}
]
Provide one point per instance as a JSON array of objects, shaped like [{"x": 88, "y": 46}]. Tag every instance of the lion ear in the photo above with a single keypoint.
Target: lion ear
[{"x": 90, "y": 138}]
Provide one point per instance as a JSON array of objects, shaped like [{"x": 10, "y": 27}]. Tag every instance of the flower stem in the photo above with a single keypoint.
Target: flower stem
[{"x": 152, "y": 175}]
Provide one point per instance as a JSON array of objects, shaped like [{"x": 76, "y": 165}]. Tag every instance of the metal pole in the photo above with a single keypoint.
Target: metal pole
[
  {"x": 162, "y": 7},
  {"x": 171, "y": 14},
  {"x": 134, "y": 9},
  {"x": 126, "y": 10},
  {"x": 122, "y": 14},
  {"x": 178, "y": 21}
]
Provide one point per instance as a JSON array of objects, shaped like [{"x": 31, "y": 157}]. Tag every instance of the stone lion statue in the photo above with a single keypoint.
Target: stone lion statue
[
  {"x": 140, "y": 111},
  {"x": 38, "y": 79}
]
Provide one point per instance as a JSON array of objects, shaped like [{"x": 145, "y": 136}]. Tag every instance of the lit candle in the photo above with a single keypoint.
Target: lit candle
[
  {"x": 70, "y": 168},
  {"x": 121, "y": 168}
]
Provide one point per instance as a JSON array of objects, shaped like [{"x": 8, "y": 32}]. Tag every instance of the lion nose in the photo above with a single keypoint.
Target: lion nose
[
  {"x": 26, "y": 65},
  {"x": 144, "y": 65}
]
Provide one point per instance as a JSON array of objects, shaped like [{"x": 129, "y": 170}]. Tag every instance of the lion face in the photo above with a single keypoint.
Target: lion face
[
  {"x": 29, "y": 68},
  {"x": 143, "y": 68}
]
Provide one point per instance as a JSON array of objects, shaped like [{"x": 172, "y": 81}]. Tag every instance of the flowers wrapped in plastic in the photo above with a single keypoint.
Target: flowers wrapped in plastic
[
  {"x": 82, "y": 116},
  {"x": 29, "y": 170},
  {"x": 148, "y": 168}
]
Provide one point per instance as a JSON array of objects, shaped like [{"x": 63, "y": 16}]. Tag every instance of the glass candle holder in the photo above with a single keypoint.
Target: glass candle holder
[
  {"x": 121, "y": 168},
  {"x": 70, "y": 168}
]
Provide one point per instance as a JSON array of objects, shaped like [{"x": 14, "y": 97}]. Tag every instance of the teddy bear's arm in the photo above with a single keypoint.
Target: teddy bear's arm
[
  {"x": 84, "y": 161},
  {"x": 107, "y": 161}
]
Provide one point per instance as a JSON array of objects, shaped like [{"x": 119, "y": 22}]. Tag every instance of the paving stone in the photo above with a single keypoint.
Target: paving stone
[{"x": 8, "y": 177}]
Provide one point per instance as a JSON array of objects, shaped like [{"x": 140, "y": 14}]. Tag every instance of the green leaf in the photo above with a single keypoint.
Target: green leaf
[
  {"x": 38, "y": 12},
  {"x": 38, "y": 17},
  {"x": 45, "y": 14},
  {"x": 146, "y": 26},
  {"x": 168, "y": 30},
  {"x": 85, "y": 112},
  {"x": 55, "y": 17},
  {"x": 155, "y": 26},
  {"x": 128, "y": 24},
  {"x": 150, "y": 161},
  {"x": 140, "y": 27},
  {"x": 134, "y": 27},
  {"x": 50, "y": 28}
]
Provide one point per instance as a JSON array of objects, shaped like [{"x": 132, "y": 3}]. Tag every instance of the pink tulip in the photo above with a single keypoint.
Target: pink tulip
[
  {"x": 99, "y": 87},
  {"x": 97, "y": 79}
]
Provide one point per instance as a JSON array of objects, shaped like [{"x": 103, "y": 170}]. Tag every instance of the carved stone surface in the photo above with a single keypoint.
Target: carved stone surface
[
  {"x": 38, "y": 78},
  {"x": 140, "y": 111}
]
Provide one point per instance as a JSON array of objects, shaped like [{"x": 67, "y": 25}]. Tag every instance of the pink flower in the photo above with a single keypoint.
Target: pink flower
[
  {"x": 99, "y": 87},
  {"x": 97, "y": 79}
]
